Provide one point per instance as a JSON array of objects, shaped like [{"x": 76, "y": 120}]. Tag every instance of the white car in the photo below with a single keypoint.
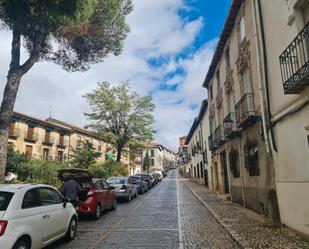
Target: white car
[{"x": 33, "y": 216}]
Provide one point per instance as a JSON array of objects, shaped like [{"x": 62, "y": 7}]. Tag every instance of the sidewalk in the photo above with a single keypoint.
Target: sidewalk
[{"x": 247, "y": 228}]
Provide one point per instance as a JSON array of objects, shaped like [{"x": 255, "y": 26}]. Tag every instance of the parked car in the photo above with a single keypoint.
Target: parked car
[
  {"x": 97, "y": 195},
  {"x": 157, "y": 177},
  {"x": 142, "y": 185},
  {"x": 164, "y": 172},
  {"x": 148, "y": 178},
  {"x": 34, "y": 216},
  {"x": 152, "y": 179},
  {"x": 124, "y": 187},
  {"x": 159, "y": 173}
]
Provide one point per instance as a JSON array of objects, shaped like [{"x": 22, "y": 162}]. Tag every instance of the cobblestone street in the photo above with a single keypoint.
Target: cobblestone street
[
  {"x": 175, "y": 214},
  {"x": 151, "y": 221}
]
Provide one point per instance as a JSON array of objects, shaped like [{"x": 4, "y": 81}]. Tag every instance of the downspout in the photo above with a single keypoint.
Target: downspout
[
  {"x": 270, "y": 126},
  {"x": 258, "y": 69}
]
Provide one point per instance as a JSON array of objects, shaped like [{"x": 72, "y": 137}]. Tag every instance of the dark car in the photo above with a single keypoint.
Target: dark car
[
  {"x": 96, "y": 195},
  {"x": 142, "y": 185},
  {"x": 148, "y": 178},
  {"x": 164, "y": 173}
]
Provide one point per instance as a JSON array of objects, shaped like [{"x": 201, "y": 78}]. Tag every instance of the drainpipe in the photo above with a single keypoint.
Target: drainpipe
[{"x": 258, "y": 69}]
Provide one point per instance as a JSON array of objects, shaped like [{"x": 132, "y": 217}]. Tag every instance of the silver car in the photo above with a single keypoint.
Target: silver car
[{"x": 124, "y": 188}]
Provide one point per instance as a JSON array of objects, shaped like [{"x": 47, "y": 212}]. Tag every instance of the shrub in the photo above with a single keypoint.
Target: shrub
[{"x": 108, "y": 169}]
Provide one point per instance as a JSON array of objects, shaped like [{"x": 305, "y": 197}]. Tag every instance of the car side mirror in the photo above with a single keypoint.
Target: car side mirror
[{"x": 65, "y": 201}]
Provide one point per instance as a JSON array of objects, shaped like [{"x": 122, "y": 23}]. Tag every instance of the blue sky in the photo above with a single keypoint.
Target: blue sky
[{"x": 166, "y": 55}]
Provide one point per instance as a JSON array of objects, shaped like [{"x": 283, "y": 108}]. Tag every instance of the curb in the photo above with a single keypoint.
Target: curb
[{"x": 233, "y": 234}]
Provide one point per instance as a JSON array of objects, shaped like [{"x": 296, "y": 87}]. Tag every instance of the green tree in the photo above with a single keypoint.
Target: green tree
[
  {"x": 71, "y": 33},
  {"x": 85, "y": 156},
  {"x": 146, "y": 162},
  {"x": 120, "y": 114}
]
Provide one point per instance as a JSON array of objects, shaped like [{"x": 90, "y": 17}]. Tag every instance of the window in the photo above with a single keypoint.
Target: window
[
  {"x": 79, "y": 141},
  {"x": 31, "y": 199},
  {"x": 210, "y": 92},
  {"x": 12, "y": 128},
  {"x": 10, "y": 145},
  {"x": 234, "y": 166},
  {"x": 61, "y": 140},
  {"x": 152, "y": 162},
  {"x": 49, "y": 196},
  {"x": 45, "y": 153},
  {"x": 60, "y": 156},
  {"x": 152, "y": 153},
  {"x": 198, "y": 171},
  {"x": 227, "y": 59},
  {"x": 5, "y": 198},
  {"x": 30, "y": 132},
  {"x": 47, "y": 136},
  {"x": 28, "y": 150},
  {"x": 218, "y": 80},
  {"x": 246, "y": 82},
  {"x": 231, "y": 102},
  {"x": 106, "y": 185},
  {"x": 99, "y": 185},
  {"x": 242, "y": 31},
  {"x": 252, "y": 158},
  {"x": 202, "y": 170}
]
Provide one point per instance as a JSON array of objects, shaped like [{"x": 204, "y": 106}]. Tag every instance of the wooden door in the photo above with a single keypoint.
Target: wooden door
[
  {"x": 47, "y": 136},
  {"x": 30, "y": 132},
  {"x": 28, "y": 150}
]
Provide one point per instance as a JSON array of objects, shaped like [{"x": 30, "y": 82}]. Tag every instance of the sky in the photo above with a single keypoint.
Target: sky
[{"x": 166, "y": 55}]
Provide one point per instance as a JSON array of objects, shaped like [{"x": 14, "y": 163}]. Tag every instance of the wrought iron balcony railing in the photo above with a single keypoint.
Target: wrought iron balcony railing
[
  {"x": 211, "y": 143},
  {"x": 14, "y": 133},
  {"x": 63, "y": 144},
  {"x": 49, "y": 141},
  {"x": 219, "y": 137},
  {"x": 245, "y": 112},
  {"x": 230, "y": 126},
  {"x": 32, "y": 137},
  {"x": 294, "y": 63}
]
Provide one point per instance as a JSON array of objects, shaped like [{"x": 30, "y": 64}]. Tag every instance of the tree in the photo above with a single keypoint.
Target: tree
[
  {"x": 86, "y": 156},
  {"x": 71, "y": 33},
  {"x": 146, "y": 162},
  {"x": 120, "y": 114}
]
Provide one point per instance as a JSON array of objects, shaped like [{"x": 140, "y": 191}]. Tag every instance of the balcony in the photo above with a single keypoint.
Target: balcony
[
  {"x": 230, "y": 126},
  {"x": 211, "y": 143},
  {"x": 245, "y": 113},
  {"x": 294, "y": 63},
  {"x": 14, "y": 134},
  {"x": 48, "y": 142},
  {"x": 62, "y": 144},
  {"x": 31, "y": 138},
  {"x": 219, "y": 137},
  {"x": 219, "y": 98}
]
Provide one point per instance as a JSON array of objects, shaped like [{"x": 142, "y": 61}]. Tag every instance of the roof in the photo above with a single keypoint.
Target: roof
[
  {"x": 74, "y": 128},
  {"x": 197, "y": 120},
  {"x": 227, "y": 29},
  {"x": 15, "y": 187},
  {"x": 46, "y": 123}
]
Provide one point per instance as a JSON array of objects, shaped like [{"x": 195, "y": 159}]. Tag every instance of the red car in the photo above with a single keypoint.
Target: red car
[{"x": 96, "y": 196}]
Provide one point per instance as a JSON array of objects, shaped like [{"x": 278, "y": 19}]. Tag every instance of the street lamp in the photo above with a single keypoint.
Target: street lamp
[{"x": 228, "y": 124}]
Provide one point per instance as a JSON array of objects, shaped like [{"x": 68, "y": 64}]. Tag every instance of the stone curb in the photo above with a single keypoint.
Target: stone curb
[{"x": 244, "y": 244}]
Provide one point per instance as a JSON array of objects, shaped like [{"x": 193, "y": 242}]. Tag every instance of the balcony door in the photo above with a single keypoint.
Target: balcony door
[
  {"x": 28, "y": 150},
  {"x": 47, "y": 136},
  {"x": 30, "y": 132},
  {"x": 45, "y": 153}
]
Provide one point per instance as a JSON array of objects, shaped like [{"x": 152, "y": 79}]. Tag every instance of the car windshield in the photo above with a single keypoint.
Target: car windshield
[
  {"x": 116, "y": 181},
  {"x": 135, "y": 179},
  {"x": 5, "y": 198}
]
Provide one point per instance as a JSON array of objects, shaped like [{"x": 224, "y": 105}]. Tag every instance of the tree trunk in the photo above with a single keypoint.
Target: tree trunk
[
  {"x": 119, "y": 152},
  {"x": 6, "y": 112},
  {"x": 15, "y": 74}
]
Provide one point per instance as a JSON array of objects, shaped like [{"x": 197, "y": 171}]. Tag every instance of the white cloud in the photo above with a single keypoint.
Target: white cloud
[{"x": 157, "y": 31}]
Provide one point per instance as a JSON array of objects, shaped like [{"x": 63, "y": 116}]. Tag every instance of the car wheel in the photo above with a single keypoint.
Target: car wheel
[
  {"x": 114, "y": 206},
  {"x": 71, "y": 232},
  {"x": 98, "y": 211},
  {"x": 22, "y": 244}
]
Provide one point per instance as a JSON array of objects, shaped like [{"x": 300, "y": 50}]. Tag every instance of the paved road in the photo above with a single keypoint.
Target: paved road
[{"x": 168, "y": 216}]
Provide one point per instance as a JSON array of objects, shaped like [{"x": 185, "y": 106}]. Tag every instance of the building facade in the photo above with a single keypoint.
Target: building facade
[
  {"x": 242, "y": 165},
  {"x": 198, "y": 166},
  {"x": 287, "y": 58}
]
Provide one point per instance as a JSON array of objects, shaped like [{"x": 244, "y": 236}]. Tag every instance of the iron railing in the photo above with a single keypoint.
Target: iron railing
[
  {"x": 14, "y": 133},
  {"x": 49, "y": 141},
  {"x": 211, "y": 143},
  {"x": 32, "y": 137},
  {"x": 219, "y": 137},
  {"x": 294, "y": 63},
  {"x": 230, "y": 128},
  {"x": 244, "y": 110}
]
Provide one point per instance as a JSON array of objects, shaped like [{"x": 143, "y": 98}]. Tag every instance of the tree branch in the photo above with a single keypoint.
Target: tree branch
[{"x": 34, "y": 54}]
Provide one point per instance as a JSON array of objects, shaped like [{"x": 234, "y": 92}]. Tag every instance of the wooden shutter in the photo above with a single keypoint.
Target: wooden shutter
[
  {"x": 12, "y": 128},
  {"x": 47, "y": 136},
  {"x": 28, "y": 150},
  {"x": 30, "y": 132},
  {"x": 61, "y": 139}
]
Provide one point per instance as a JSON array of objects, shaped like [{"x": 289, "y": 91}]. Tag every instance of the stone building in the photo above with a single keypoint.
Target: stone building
[
  {"x": 198, "y": 165},
  {"x": 286, "y": 62},
  {"x": 161, "y": 158},
  {"x": 241, "y": 158},
  {"x": 55, "y": 140}
]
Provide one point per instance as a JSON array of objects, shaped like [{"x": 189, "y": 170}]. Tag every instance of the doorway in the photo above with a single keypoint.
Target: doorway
[{"x": 225, "y": 173}]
